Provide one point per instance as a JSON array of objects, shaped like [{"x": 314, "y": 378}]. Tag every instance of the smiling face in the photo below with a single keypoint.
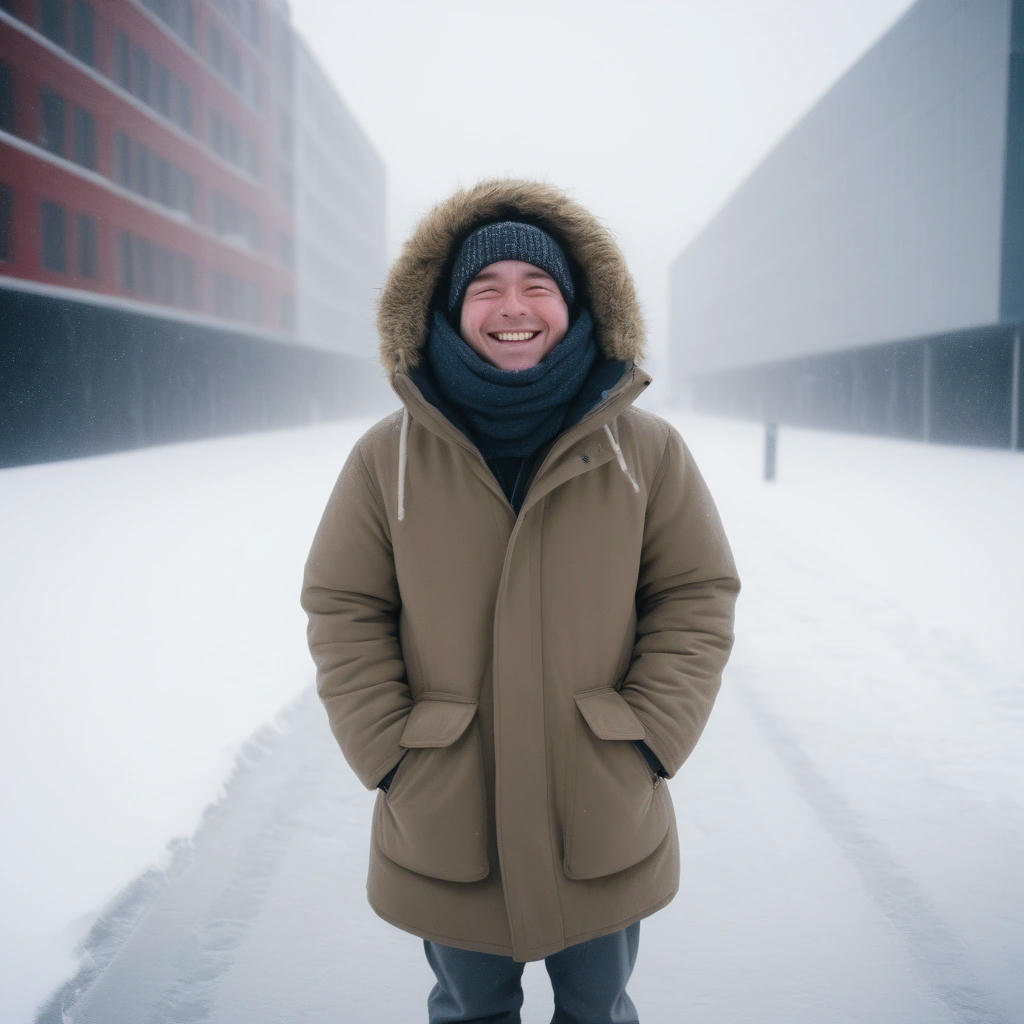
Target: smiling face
[{"x": 513, "y": 315}]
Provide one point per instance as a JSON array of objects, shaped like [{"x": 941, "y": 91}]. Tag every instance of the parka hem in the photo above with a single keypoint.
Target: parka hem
[{"x": 532, "y": 952}]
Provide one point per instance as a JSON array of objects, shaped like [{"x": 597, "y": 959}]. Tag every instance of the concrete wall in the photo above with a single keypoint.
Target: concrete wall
[
  {"x": 878, "y": 217},
  {"x": 1012, "y": 294},
  {"x": 956, "y": 389},
  {"x": 82, "y": 379}
]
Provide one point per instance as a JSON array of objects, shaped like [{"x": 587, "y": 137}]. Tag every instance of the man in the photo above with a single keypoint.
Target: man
[{"x": 520, "y": 604}]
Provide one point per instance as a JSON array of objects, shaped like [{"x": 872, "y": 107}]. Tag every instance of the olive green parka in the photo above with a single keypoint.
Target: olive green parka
[{"x": 507, "y": 663}]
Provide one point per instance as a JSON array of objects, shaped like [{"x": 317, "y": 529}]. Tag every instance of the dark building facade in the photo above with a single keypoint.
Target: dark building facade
[
  {"x": 869, "y": 274},
  {"x": 149, "y": 287}
]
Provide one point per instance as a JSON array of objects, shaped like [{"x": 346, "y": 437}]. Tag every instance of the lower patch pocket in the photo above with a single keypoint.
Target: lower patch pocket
[
  {"x": 617, "y": 811},
  {"x": 433, "y": 819}
]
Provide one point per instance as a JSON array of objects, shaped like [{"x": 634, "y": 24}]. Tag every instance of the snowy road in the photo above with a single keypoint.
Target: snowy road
[
  {"x": 852, "y": 821},
  {"x": 264, "y": 920}
]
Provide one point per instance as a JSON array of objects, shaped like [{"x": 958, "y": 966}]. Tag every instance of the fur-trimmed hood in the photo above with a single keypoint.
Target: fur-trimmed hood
[{"x": 606, "y": 289}]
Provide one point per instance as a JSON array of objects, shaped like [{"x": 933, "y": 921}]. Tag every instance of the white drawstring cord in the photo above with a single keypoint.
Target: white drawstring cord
[
  {"x": 621, "y": 458},
  {"x": 403, "y": 445}
]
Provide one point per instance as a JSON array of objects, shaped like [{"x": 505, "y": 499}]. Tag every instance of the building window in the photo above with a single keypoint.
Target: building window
[
  {"x": 161, "y": 89},
  {"x": 216, "y": 56},
  {"x": 218, "y": 214},
  {"x": 227, "y": 140},
  {"x": 217, "y": 132},
  {"x": 286, "y": 312},
  {"x": 252, "y": 25},
  {"x": 235, "y": 222},
  {"x": 51, "y": 121},
  {"x": 188, "y": 25},
  {"x": 125, "y": 264},
  {"x": 54, "y": 236},
  {"x": 285, "y": 250},
  {"x": 142, "y": 164},
  {"x": 142, "y": 70},
  {"x": 164, "y": 181},
  {"x": 187, "y": 270},
  {"x": 6, "y": 223},
  {"x": 231, "y": 141},
  {"x": 81, "y": 31},
  {"x": 251, "y": 228},
  {"x": 223, "y": 294},
  {"x": 51, "y": 20},
  {"x": 176, "y": 15},
  {"x": 253, "y": 299},
  {"x": 166, "y": 279},
  {"x": 6, "y": 99},
  {"x": 151, "y": 82},
  {"x": 144, "y": 266},
  {"x": 122, "y": 61},
  {"x": 83, "y": 141},
  {"x": 123, "y": 159},
  {"x": 150, "y": 175},
  {"x": 186, "y": 195},
  {"x": 285, "y": 189},
  {"x": 251, "y": 156},
  {"x": 181, "y": 112},
  {"x": 86, "y": 238}
]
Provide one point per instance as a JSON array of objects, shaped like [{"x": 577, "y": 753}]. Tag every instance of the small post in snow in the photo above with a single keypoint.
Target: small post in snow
[
  {"x": 1015, "y": 392},
  {"x": 771, "y": 447}
]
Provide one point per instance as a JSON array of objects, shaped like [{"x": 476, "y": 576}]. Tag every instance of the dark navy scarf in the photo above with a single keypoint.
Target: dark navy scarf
[{"x": 511, "y": 412}]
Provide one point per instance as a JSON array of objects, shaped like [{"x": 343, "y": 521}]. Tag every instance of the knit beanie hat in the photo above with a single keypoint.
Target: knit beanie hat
[{"x": 509, "y": 240}]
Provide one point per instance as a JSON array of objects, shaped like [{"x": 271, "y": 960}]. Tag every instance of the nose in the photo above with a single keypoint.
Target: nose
[{"x": 512, "y": 303}]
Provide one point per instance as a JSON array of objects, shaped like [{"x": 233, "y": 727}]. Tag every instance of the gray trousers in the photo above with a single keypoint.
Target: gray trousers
[{"x": 588, "y": 981}]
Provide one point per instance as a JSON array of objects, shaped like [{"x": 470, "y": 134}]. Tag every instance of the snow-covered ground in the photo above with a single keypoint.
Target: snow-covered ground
[
  {"x": 880, "y": 652},
  {"x": 853, "y": 820},
  {"x": 149, "y": 623}
]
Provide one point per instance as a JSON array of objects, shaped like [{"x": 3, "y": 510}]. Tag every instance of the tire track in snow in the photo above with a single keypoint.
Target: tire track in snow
[
  {"x": 207, "y": 955},
  {"x": 160, "y": 953},
  {"x": 939, "y": 954}
]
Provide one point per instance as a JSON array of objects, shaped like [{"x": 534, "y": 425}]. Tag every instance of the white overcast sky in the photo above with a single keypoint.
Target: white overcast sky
[{"x": 649, "y": 113}]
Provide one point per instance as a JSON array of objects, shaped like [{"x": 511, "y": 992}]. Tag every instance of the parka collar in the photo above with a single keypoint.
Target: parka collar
[{"x": 594, "y": 450}]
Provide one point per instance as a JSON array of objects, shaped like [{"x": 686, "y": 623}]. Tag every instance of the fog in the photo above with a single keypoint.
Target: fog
[
  {"x": 650, "y": 114},
  {"x": 185, "y": 842}
]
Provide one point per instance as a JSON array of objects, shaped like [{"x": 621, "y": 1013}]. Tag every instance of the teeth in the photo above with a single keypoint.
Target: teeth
[{"x": 515, "y": 335}]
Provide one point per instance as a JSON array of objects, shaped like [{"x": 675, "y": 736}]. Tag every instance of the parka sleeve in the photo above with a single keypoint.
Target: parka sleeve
[
  {"x": 686, "y": 594},
  {"x": 350, "y": 594}
]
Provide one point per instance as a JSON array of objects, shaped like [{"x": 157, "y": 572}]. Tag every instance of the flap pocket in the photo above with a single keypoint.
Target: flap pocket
[
  {"x": 609, "y": 716},
  {"x": 437, "y": 722}
]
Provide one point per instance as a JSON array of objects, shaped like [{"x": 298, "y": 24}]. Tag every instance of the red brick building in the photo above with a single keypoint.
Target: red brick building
[{"x": 147, "y": 199}]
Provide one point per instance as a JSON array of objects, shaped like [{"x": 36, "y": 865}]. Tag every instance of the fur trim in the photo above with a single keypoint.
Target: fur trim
[{"x": 403, "y": 313}]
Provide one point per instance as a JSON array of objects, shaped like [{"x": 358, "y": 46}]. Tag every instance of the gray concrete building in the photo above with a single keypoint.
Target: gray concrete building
[
  {"x": 340, "y": 257},
  {"x": 869, "y": 273}
]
